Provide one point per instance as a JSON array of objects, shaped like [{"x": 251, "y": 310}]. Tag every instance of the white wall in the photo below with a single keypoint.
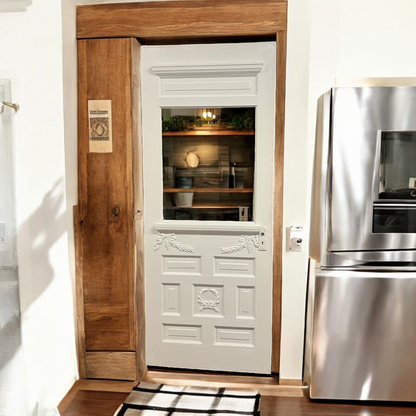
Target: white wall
[
  {"x": 346, "y": 39},
  {"x": 31, "y": 55},
  {"x": 327, "y": 39},
  {"x": 7, "y": 209},
  {"x": 295, "y": 212}
]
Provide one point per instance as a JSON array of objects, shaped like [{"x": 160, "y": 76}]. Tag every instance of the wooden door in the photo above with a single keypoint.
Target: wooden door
[
  {"x": 108, "y": 203},
  {"x": 209, "y": 283},
  {"x": 152, "y": 23}
]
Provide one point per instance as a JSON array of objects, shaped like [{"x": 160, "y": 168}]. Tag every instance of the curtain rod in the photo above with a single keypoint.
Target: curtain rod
[{"x": 11, "y": 105}]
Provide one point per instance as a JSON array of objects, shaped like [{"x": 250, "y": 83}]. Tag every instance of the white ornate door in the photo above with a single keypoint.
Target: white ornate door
[{"x": 209, "y": 282}]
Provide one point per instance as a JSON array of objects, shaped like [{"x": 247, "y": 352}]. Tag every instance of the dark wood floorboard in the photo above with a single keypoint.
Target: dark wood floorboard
[
  {"x": 302, "y": 406},
  {"x": 105, "y": 403},
  {"x": 92, "y": 403}
]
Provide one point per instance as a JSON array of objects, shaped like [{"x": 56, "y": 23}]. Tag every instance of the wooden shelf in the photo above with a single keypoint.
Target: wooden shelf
[
  {"x": 209, "y": 206},
  {"x": 209, "y": 190},
  {"x": 227, "y": 132}
]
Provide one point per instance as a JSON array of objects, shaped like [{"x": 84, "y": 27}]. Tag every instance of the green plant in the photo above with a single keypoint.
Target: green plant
[
  {"x": 175, "y": 123},
  {"x": 242, "y": 121}
]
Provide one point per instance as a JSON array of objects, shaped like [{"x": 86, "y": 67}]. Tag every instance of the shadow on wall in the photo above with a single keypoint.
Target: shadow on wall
[
  {"x": 36, "y": 237},
  {"x": 41, "y": 230}
]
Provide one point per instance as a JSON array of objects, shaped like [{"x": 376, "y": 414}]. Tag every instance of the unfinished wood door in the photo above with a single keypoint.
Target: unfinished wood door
[
  {"x": 209, "y": 283},
  {"x": 108, "y": 70}
]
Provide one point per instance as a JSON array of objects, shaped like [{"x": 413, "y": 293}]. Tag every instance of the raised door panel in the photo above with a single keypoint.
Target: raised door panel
[
  {"x": 106, "y": 205},
  {"x": 209, "y": 311}
]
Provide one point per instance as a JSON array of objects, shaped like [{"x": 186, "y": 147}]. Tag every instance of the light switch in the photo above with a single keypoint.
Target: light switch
[{"x": 294, "y": 238}]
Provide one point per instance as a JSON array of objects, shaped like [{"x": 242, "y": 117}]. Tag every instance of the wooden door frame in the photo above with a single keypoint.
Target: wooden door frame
[{"x": 206, "y": 21}]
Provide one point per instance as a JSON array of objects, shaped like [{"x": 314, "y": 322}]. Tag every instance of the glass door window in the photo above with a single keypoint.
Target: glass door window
[
  {"x": 395, "y": 210},
  {"x": 208, "y": 163},
  {"x": 398, "y": 165}
]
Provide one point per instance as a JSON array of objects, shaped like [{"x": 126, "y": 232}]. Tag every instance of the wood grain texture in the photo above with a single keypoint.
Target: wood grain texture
[
  {"x": 106, "y": 181},
  {"x": 68, "y": 399},
  {"x": 182, "y": 19},
  {"x": 108, "y": 240},
  {"x": 209, "y": 190},
  {"x": 89, "y": 403},
  {"x": 111, "y": 365},
  {"x": 104, "y": 323},
  {"x": 79, "y": 293},
  {"x": 188, "y": 377},
  {"x": 83, "y": 145},
  {"x": 137, "y": 140},
  {"x": 96, "y": 397},
  {"x": 104, "y": 385},
  {"x": 94, "y": 403},
  {"x": 267, "y": 385},
  {"x": 278, "y": 197},
  {"x": 290, "y": 382}
]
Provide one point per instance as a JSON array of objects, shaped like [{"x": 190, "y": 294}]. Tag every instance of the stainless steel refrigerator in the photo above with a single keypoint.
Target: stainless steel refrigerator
[{"x": 360, "y": 339}]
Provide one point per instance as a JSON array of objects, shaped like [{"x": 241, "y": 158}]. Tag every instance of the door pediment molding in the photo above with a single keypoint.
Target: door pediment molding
[
  {"x": 208, "y": 79},
  {"x": 207, "y": 71}
]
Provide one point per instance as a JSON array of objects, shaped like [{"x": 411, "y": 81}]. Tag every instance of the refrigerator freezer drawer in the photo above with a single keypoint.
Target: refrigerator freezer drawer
[{"x": 363, "y": 336}]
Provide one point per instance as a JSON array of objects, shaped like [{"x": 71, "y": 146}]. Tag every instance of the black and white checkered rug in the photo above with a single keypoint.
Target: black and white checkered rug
[{"x": 161, "y": 400}]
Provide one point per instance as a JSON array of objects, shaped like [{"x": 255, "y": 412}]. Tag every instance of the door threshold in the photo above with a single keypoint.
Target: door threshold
[
  {"x": 210, "y": 372},
  {"x": 267, "y": 385}
]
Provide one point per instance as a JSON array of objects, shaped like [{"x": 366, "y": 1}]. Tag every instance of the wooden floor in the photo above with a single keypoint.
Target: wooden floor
[{"x": 100, "y": 397}]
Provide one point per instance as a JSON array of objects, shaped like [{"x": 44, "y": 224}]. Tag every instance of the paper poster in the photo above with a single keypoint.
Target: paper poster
[{"x": 99, "y": 117}]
